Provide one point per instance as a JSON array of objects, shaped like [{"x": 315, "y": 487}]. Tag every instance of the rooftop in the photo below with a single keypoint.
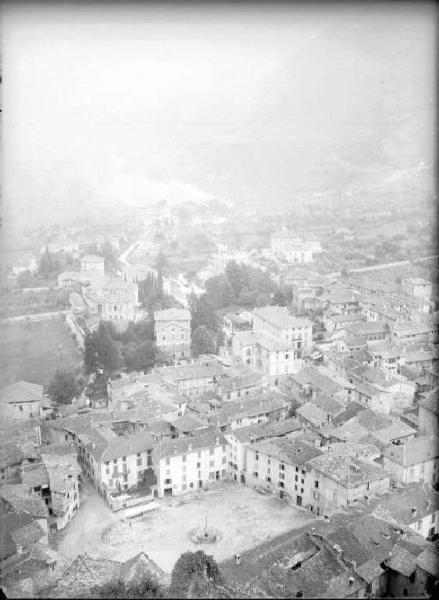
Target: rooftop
[
  {"x": 414, "y": 451},
  {"x": 280, "y": 317},
  {"x": 250, "y": 406},
  {"x": 21, "y": 391},
  {"x": 348, "y": 471},
  {"x": 186, "y": 445},
  {"x": 296, "y": 452},
  {"x": 400, "y": 503},
  {"x": 172, "y": 314}
]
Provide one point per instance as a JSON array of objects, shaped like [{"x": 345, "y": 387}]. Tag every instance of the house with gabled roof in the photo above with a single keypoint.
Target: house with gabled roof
[{"x": 22, "y": 400}]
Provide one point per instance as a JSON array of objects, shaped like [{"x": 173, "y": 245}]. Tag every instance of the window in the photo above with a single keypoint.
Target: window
[
  {"x": 433, "y": 517},
  {"x": 198, "y": 465},
  {"x": 211, "y": 451},
  {"x": 115, "y": 308},
  {"x": 295, "y": 488},
  {"x": 296, "y": 478},
  {"x": 255, "y": 474},
  {"x": 139, "y": 462},
  {"x": 184, "y": 487},
  {"x": 224, "y": 460},
  {"x": 183, "y": 458},
  {"x": 211, "y": 475},
  {"x": 301, "y": 490},
  {"x": 211, "y": 463},
  {"x": 269, "y": 479},
  {"x": 199, "y": 454},
  {"x": 302, "y": 481},
  {"x": 297, "y": 469},
  {"x": 256, "y": 456},
  {"x": 282, "y": 467},
  {"x": 167, "y": 461},
  {"x": 168, "y": 481},
  {"x": 281, "y": 484},
  {"x": 316, "y": 484},
  {"x": 281, "y": 475},
  {"x": 184, "y": 478}
]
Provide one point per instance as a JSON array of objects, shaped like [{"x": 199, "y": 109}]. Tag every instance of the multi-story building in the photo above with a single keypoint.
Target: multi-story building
[
  {"x": 417, "y": 287},
  {"x": 93, "y": 263},
  {"x": 415, "y": 506},
  {"x": 172, "y": 329},
  {"x": 278, "y": 323},
  {"x": 191, "y": 380},
  {"x": 339, "y": 480},
  {"x": 257, "y": 408},
  {"x": 190, "y": 463},
  {"x": 416, "y": 460},
  {"x": 235, "y": 387},
  {"x": 291, "y": 247},
  {"x": 279, "y": 466},
  {"x": 117, "y": 301}
]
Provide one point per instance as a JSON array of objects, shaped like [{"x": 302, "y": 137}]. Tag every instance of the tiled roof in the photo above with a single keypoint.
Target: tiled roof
[
  {"x": 34, "y": 475},
  {"x": 369, "y": 571},
  {"x": 398, "y": 429},
  {"x": 10, "y": 454},
  {"x": 294, "y": 452},
  {"x": 21, "y": 500},
  {"x": 127, "y": 445},
  {"x": 9, "y": 523},
  {"x": 375, "y": 535},
  {"x": 280, "y": 317},
  {"x": 185, "y": 445},
  {"x": 137, "y": 569},
  {"x": 21, "y": 391},
  {"x": 350, "y": 411},
  {"x": 428, "y": 561},
  {"x": 84, "y": 574},
  {"x": 250, "y": 406},
  {"x": 402, "y": 561},
  {"x": 312, "y": 413},
  {"x": 349, "y": 544},
  {"x": 195, "y": 371},
  {"x": 414, "y": 451},
  {"x": 28, "y": 534},
  {"x": 188, "y": 423},
  {"x": 401, "y": 502},
  {"x": 369, "y": 327},
  {"x": 172, "y": 314},
  {"x": 237, "y": 382},
  {"x": 348, "y": 471}
]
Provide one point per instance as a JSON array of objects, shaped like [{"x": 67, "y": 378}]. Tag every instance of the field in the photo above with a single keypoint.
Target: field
[
  {"x": 32, "y": 351},
  {"x": 242, "y": 517}
]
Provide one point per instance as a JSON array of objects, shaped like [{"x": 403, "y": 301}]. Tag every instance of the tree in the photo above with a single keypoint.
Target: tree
[
  {"x": 91, "y": 353},
  {"x": 118, "y": 588},
  {"x": 203, "y": 342},
  {"x": 202, "y": 312},
  {"x": 64, "y": 386},
  {"x": 237, "y": 277},
  {"x": 219, "y": 291},
  {"x": 279, "y": 299},
  {"x": 191, "y": 573},
  {"x": 160, "y": 265},
  {"x": 109, "y": 352}
]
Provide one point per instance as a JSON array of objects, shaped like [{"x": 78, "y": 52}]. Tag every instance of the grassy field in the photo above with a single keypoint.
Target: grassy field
[{"x": 32, "y": 351}]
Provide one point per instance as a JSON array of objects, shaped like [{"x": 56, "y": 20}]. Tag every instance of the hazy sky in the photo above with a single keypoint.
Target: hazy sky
[{"x": 99, "y": 97}]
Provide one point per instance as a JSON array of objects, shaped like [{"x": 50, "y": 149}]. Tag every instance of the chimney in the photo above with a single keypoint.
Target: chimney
[{"x": 351, "y": 580}]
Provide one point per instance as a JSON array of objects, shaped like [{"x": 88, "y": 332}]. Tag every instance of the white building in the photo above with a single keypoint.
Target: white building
[
  {"x": 90, "y": 262},
  {"x": 21, "y": 400},
  {"x": 189, "y": 463},
  {"x": 415, "y": 460},
  {"x": 172, "y": 330}
]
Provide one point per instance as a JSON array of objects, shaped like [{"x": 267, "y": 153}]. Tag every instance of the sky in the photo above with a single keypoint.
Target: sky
[{"x": 104, "y": 104}]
